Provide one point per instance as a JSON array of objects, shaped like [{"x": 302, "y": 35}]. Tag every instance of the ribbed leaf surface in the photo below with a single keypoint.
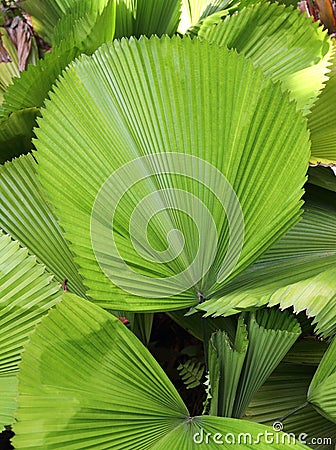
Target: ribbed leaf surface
[
  {"x": 324, "y": 177},
  {"x": 46, "y": 13},
  {"x": 9, "y": 392},
  {"x": 31, "y": 89},
  {"x": 26, "y": 293},
  {"x": 26, "y": 216},
  {"x": 226, "y": 362},
  {"x": 285, "y": 390},
  {"x": 154, "y": 99},
  {"x": 283, "y": 42},
  {"x": 322, "y": 123},
  {"x": 322, "y": 390},
  {"x": 86, "y": 382},
  {"x": 270, "y": 335},
  {"x": 16, "y": 133},
  {"x": 86, "y": 25},
  {"x": 297, "y": 271},
  {"x": 147, "y": 17}
]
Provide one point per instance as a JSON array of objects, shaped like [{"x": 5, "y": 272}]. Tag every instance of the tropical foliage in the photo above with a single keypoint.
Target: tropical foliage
[{"x": 167, "y": 161}]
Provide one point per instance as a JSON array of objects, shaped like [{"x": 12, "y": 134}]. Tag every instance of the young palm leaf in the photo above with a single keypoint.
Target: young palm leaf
[
  {"x": 46, "y": 14},
  {"x": 135, "y": 127},
  {"x": 87, "y": 382},
  {"x": 243, "y": 366},
  {"x": 283, "y": 42}
]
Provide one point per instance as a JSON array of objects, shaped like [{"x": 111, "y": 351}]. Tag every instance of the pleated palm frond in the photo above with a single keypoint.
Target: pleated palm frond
[
  {"x": 16, "y": 133},
  {"x": 31, "y": 89},
  {"x": 27, "y": 217},
  {"x": 195, "y": 12},
  {"x": 237, "y": 369},
  {"x": 26, "y": 294},
  {"x": 15, "y": 130},
  {"x": 325, "y": 177},
  {"x": 297, "y": 271},
  {"x": 86, "y": 382},
  {"x": 285, "y": 391},
  {"x": 283, "y": 42},
  {"x": 322, "y": 389},
  {"x": 46, "y": 14},
  {"x": 322, "y": 123},
  {"x": 132, "y": 16},
  {"x": 86, "y": 25},
  {"x": 147, "y": 109},
  {"x": 81, "y": 29}
]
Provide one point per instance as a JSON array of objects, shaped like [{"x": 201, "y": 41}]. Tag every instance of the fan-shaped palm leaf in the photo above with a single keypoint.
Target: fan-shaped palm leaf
[
  {"x": 122, "y": 109},
  {"x": 86, "y": 381}
]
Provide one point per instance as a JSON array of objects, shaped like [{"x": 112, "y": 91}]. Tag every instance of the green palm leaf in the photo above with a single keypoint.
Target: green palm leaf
[
  {"x": 283, "y": 42},
  {"x": 9, "y": 392},
  {"x": 147, "y": 17},
  {"x": 321, "y": 393},
  {"x": 245, "y": 364},
  {"x": 26, "y": 293},
  {"x": 191, "y": 13},
  {"x": 46, "y": 13},
  {"x": 226, "y": 362},
  {"x": 322, "y": 123},
  {"x": 283, "y": 392},
  {"x": 26, "y": 216},
  {"x": 324, "y": 177},
  {"x": 123, "y": 104},
  {"x": 16, "y": 133},
  {"x": 82, "y": 28},
  {"x": 196, "y": 12},
  {"x": 86, "y": 25},
  {"x": 297, "y": 271},
  {"x": 31, "y": 89},
  {"x": 86, "y": 381}
]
